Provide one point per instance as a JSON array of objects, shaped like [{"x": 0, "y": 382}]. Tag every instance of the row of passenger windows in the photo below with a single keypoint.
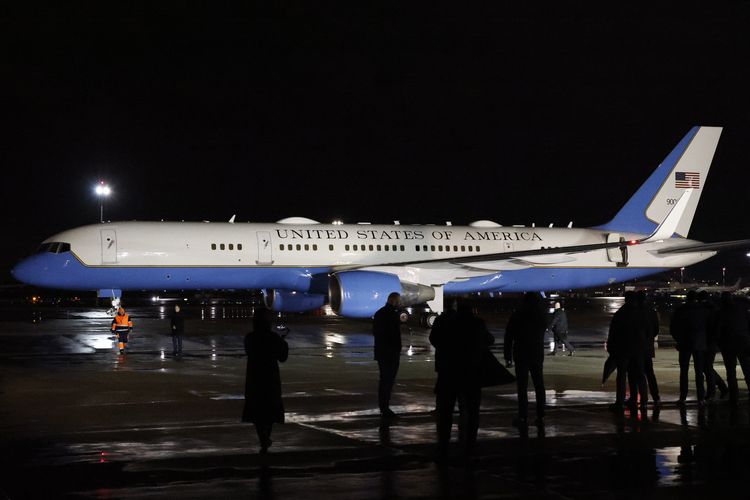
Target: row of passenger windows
[
  {"x": 361, "y": 248},
  {"x": 387, "y": 248},
  {"x": 300, "y": 247},
  {"x": 378, "y": 248},
  {"x": 228, "y": 246},
  {"x": 447, "y": 248}
]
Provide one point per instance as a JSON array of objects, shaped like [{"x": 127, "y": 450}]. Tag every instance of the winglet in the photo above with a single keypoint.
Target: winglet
[
  {"x": 667, "y": 228},
  {"x": 231, "y": 221}
]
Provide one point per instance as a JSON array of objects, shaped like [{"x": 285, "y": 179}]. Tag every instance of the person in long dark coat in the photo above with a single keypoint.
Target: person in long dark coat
[
  {"x": 524, "y": 345},
  {"x": 263, "y": 404},
  {"x": 626, "y": 342},
  {"x": 460, "y": 339},
  {"x": 386, "y": 328},
  {"x": 688, "y": 328},
  {"x": 734, "y": 340}
]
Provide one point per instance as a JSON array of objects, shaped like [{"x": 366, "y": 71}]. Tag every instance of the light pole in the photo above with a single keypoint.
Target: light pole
[
  {"x": 723, "y": 276},
  {"x": 102, "y": 191},
  {"x": 682, "y": 272}
]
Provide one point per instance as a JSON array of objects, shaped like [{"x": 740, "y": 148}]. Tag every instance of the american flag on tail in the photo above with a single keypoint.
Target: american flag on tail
[{"x": 687, "y": 180}]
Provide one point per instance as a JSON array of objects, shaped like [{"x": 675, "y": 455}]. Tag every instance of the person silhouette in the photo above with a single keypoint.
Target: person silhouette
[
  {"x": 652, "y": 321},
  {"x": 460, "y": 339},
  {"x": 177, "y": 325},
  {"x": 626, "y": 342},
  {"x": 688, "y": 328},
  {"x": 734, "y": 341},
  {"x": 386, "y": 329},
  {"x": 524, "y": 346},
  {"x": 559, "y": 327},
  {"x": 263, "y": 404},
  {"x": 713, "y": 379}
]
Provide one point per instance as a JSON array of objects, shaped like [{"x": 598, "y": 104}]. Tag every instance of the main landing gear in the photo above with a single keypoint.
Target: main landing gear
[{"x": 428, "y": 319}]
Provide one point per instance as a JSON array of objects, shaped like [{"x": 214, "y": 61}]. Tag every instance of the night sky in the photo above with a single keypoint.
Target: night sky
[{"x": 518, "y": 116}]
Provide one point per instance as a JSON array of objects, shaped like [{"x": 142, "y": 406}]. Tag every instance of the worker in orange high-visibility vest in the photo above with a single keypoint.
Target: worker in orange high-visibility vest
[{"x": 122, "y": 325}]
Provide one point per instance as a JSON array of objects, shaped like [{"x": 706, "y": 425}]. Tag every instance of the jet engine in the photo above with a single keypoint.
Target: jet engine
[
  {"x": 291, "y": 301},
  {"x": 358, "y": 294}
]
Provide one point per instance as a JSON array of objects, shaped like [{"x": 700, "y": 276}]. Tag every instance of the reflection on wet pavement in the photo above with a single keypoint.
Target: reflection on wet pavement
[{"x": 145, "y": 424}]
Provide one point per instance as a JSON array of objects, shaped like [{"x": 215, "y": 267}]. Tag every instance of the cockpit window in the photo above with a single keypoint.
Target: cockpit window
[{"x": 54, "y": 247}]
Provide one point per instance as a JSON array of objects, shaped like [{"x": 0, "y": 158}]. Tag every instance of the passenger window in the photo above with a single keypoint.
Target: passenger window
[
  {"x": 471, "y": 248},
  {"x": 463, "y": 248},
  {"x": 387, "y": 248},
  {"x": 379, "y": 248},
  {"x": 371, "y": 248},
  {"x": 307, "y": 247},
  {"x": 213, "y": 246},
  {"x": 440, "y": 248},
  {"x": 330, "y": 247},
  {"x": 477, "y": 248},
  {"x": 231, "y": 246},
  {"x": 315, "y": 247},
  {"x": 221, "y": 246},
  {"x": 455, "y": 248},
  {"x": 346, "y": 247},
  {"x": 289, "y": 247},
  {"x": 402, "y": 248},
  {"x": 239, "y": 246},
  {"x": 299, "y": 247},
  {"x": 394, "y": 248},
  {"x": 281, "y": 247},
  {"x": 356, "y": 248},
  {"x": 432, "y": 248}
]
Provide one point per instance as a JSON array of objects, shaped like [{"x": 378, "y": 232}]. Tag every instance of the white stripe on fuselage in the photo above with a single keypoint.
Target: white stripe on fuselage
[{"x": 188, "y": 244}]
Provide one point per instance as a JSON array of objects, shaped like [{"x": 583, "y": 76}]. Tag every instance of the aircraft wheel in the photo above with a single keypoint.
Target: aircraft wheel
[{"x": 429, "y": 320}]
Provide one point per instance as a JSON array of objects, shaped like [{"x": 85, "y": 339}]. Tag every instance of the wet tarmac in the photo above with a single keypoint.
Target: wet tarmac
[{"x": 78, "y": 420}]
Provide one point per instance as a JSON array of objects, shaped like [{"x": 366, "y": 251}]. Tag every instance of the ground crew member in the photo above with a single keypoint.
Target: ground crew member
[{"x": 121, "y": 326}]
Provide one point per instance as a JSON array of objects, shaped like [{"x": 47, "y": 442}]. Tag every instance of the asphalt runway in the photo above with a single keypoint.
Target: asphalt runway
[{"x": 78, "y": 420}]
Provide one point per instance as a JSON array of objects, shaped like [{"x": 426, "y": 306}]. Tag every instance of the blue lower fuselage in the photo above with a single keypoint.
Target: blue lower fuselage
[{"x": 65, "y": 271}]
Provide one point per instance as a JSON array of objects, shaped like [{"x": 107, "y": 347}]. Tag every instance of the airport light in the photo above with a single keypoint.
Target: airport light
[{"x": 102, "y": 190}]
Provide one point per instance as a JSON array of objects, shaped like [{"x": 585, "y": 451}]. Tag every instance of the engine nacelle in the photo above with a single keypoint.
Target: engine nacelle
[
  {"x": 359, "y": 294},
  {"x": 291, "y": 301}
]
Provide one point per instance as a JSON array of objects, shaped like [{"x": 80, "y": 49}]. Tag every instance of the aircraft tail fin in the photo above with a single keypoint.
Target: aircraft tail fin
[{"x": 686, "y": 167}]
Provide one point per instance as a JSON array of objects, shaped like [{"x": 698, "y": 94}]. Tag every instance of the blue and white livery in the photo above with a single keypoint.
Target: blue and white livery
[{"x": 301, "y": 264}]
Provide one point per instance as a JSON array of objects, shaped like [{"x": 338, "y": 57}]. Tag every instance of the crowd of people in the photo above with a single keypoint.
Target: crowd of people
[{"x": 700, "y": 328}]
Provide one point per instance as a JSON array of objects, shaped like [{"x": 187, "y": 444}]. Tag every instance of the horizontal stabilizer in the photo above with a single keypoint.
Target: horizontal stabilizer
[{"x": 705, "y": 247}]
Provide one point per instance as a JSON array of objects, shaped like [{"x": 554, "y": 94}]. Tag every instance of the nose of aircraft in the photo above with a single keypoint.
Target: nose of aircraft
[{"x": 27, "y": 271}]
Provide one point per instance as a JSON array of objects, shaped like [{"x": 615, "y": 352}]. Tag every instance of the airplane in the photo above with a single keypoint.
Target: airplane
[
  {"x": 300, "y": 264},
  {"x": 676, "y": 286}
]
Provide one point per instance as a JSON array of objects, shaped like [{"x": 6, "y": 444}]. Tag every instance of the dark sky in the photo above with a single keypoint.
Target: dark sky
[{"x": 513, "y": 115}]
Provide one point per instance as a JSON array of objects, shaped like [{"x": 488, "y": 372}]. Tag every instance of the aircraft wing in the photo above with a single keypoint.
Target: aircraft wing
[{"x": 705, "y": 247}]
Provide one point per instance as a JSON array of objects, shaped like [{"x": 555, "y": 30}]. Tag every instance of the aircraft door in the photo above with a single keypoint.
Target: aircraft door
[
  {"x": 265, "y": 250},
  {"x": 618, "y": 255},
  {"x": 109, "y": 246}
]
